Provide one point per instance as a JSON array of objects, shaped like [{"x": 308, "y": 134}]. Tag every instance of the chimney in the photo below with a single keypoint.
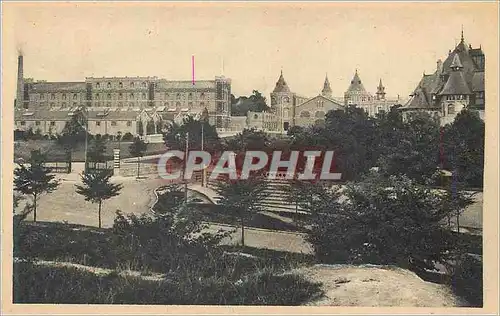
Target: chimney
[
  {"x": 20, "y": 82},
  {"x": 439, "y": 67}
]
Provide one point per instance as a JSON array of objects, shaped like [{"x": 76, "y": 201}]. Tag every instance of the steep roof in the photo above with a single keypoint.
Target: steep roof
[
  {"x": 456, "y": 83},
  {"x": 281, "y": 85},
  {"x": 326, "y": 86},
  {"x": 356, "y": 85},
  {"x": 478, "y": 81},
  {"x": 419, "y": 100}
]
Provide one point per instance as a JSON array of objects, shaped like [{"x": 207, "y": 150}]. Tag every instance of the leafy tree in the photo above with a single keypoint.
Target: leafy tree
[
  {"x": 248, "y": 139},
  {"x": 137, "y": 149},
  {"x": 97, "y": 150},
  {"x": 463, "y": 148},
  {"x": 175, "y": 137},
  {"x": 412, "y": 150},
  {"x": 34, "y": 179},
  {"x": 242, "y": 198},
  {"x": 242, "y": 105},
  {"x": 74, "y": 131},
  {"x": 96, "y": 188},
  {"x": 127, "y": 137},
  {"x": 305, "y": 194},
  {"x": 387, "y": 221}
]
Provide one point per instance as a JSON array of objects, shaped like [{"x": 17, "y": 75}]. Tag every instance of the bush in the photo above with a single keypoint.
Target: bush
[
  {"x": 386, "y": 221},
  {"x": 127, "y": 137},
  {"x": 64, "y": 285},
  {"x": 467, "y": 280}
]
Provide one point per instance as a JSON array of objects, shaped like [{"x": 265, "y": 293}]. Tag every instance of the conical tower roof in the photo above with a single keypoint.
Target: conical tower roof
[
  {"x": 281, "y": 85},
  {"x": 327, "y": 90},
  {"x": 356, "y": 85},
  {"x": 456, "y": 83}
]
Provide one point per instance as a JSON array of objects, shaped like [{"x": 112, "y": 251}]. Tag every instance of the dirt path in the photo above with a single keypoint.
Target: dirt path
[{"x": 374, "y": 286}]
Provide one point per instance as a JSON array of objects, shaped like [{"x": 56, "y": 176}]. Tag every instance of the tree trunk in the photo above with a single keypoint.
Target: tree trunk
[
  {"x": 34, "y": 207},
  {"x": 242, "y": 233},
  {"x": 100, "y": 203},
  {"x": 138, "y": 165}
]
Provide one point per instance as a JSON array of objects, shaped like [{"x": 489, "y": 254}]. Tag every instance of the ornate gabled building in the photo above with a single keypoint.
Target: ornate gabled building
[
  {"x": 457, "y": 83},
  {"x": 356, "y": 94},
  {"x": 291, "y": 109},
  {"x": 119, "y": 104}
]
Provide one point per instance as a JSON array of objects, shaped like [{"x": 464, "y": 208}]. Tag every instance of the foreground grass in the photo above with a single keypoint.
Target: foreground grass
[
  {"x": 64, "y": 285},
  {"x": 188, "y": 275}
]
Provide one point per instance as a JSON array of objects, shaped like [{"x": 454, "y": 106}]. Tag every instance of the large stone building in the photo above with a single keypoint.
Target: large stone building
[
  {"x": 457, "y": 83},
  {"x": 138, "y": 105},
  {"x": 290, "y": 109},
  {"x": 357, "y": 95}
]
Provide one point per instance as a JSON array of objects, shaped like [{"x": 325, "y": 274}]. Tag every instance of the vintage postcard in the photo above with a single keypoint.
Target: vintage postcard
[{"x": 250, "y": 158}]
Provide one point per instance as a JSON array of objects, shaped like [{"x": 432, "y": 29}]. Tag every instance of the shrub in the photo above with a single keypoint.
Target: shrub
[
  {"x": 386, "y": 221},
  {"x": 127, "y": 137},
  {"x": 467, "y": 280},
  {"x": 64, "y": 285}
]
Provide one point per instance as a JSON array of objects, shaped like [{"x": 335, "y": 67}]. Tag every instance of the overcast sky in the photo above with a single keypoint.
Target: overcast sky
[{"x": 395, "y": 42}]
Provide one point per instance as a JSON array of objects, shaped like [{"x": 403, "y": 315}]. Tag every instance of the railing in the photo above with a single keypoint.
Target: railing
[{"x": 58, "y": 167}]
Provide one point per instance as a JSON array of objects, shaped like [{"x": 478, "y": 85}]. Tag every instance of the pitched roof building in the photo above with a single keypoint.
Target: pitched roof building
[{"x": 457, "y": 83}]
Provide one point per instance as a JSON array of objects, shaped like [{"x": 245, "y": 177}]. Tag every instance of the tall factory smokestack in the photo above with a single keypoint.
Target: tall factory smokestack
[{"x": 20, "y": 81}]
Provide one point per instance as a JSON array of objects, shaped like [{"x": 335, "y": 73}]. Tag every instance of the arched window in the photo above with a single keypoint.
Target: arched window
[
  {"x": 64, "y": 96},
  {"x": 109, "y": 85},
  {"x": 144, "y": 96},
  {"x": 97, "y": 96},
  {"x": 144, "y": 84},
  {"x": 305, "y": 114},
  {"x": 52, "y": 96},
  {"x": 75, "y": 96},
  {"x": 131, "y": 95},
  {"x": 255, "y": 116},
  {"x": 190, "y": 96},
  {"x": 132, "y": 84},
  {"x": 451, "y": 109},
  {"x": 286, "y": 99},
  {"x": 120, "y": 95},
  {"x": 202, "y": 96},
  {"x": 98, "y": 85},
  {"x": 178, "y": 96},
  {"x": 120, "y": 85},
  {"x": 109, "y": 96},
  {"x": 178, "y": 104}
]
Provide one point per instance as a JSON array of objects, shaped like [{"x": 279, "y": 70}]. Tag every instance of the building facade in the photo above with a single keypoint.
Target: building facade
[
  {"x": 125, "y": 104},
  {"x": 457, "y": 83},
  {"x": 356, "y": 94}
]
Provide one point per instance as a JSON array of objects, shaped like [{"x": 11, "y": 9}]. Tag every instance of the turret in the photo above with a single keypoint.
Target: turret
[{"x": 327, "y": 90}]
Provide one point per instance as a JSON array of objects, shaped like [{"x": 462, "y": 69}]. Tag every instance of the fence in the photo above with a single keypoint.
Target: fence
[
  {"x": 96, "y": 166},
  {"x": 58, "y": 167}
]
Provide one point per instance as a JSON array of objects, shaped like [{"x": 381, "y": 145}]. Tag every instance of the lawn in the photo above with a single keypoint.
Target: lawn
[
  {"x": 55, "y": 152},
  {"x": 215, "y": 275}
]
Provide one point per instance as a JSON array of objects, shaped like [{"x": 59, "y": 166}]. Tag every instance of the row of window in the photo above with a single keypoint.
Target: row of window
[
  {"x": 97, "y": 123},
  {"x": 178, "y": 96},
  {"x": 120, "y": 85},
  {"x": 306, "y": 114},
  {"x": 456, "y": 97},
  {"x": 64, "y": 96}
]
